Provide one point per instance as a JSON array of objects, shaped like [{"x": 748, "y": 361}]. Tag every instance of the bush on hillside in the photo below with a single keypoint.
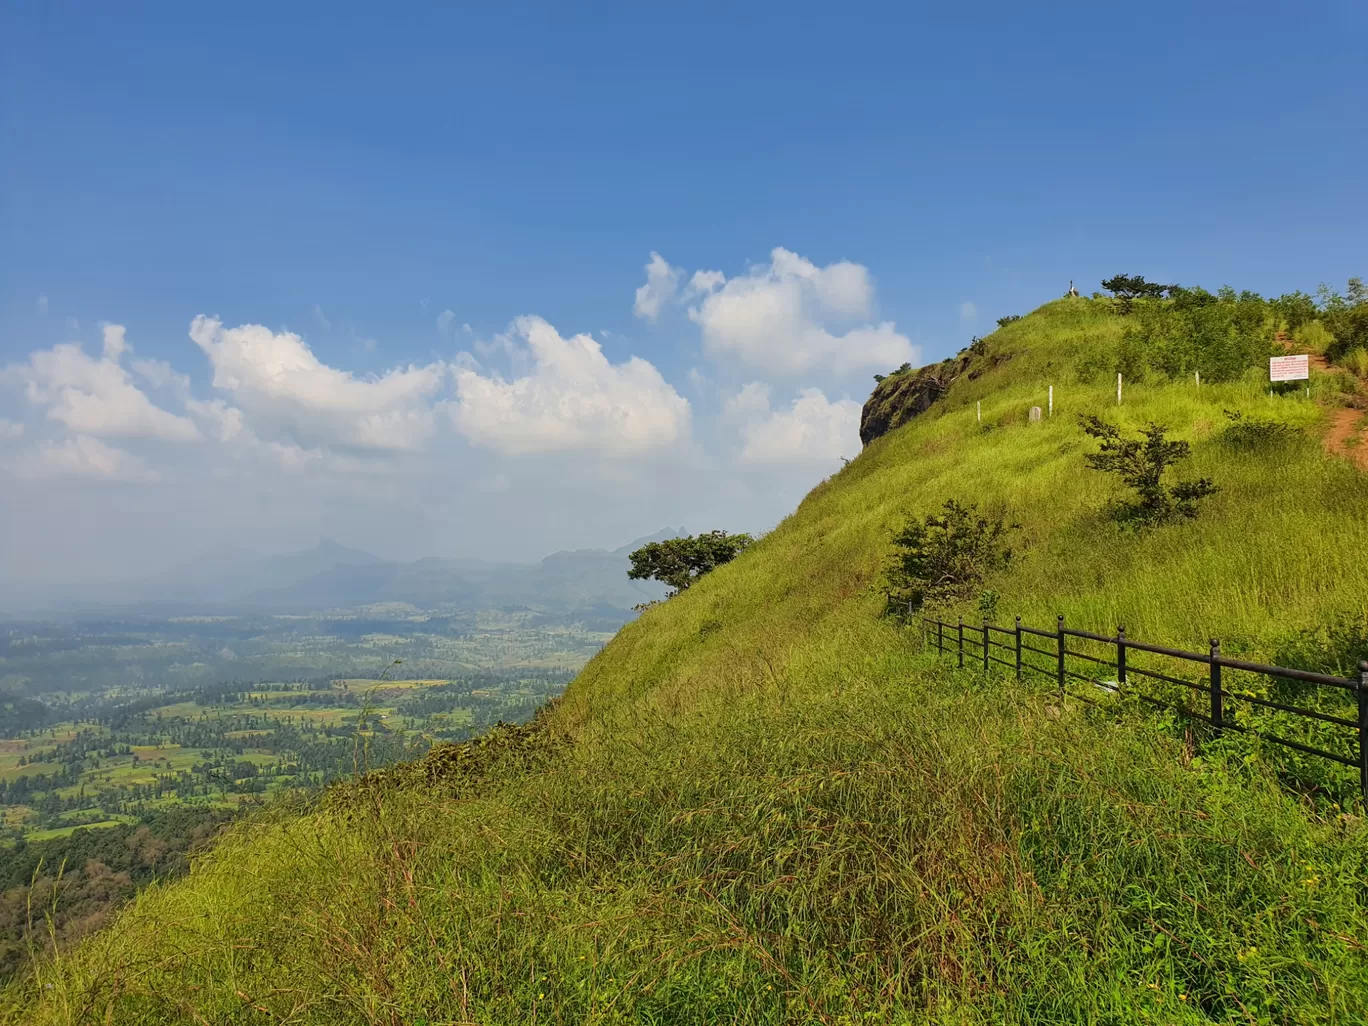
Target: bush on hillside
[
  {"x": 679, "y": 562},
  {"x": 1345, "y": 317},
  {"x": 1141, "y": 463},
  {"x": 901, "y": 370},
  {"x": 1257, "y": 436},
  {"x": 945, "y": 556},
  {"x": 1295, "y": 309},
  {"x": 1002, "y": 322},
  {"x": 1221, "y": 336}
]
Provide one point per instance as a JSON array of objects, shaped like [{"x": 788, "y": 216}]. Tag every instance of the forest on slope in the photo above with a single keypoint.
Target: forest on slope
[{"x": 765, "y": 802}]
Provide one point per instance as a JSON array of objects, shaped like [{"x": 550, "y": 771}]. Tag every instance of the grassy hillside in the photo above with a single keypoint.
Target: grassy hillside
[{"x": 764, "y": 803}]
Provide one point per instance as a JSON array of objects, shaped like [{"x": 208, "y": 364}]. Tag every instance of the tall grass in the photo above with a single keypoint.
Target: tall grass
[{"x": 763, "y": 803}]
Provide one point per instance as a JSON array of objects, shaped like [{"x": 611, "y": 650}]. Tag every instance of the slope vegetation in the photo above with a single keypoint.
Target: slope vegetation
[{"x": 765, "y": 803}]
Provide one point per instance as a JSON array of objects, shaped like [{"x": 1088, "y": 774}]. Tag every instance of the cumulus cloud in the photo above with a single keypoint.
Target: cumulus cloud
[
  {"x": 788, "y": 316},
  {"x": 9, "y": 430},
  {"x": 160, "y": 374},
  {"x": 750, "y": 402},
  {"x": 290, "y": 396},
  {"x": 115, "y": 340},
  {"x": 811, "y": 430},
  {"x": 706, "y": 281},
  {"x": 444, "y": 320},
  {"x": 96, "y": 396},
  {"x": 219, "y": 420},
  {"x": 83, "y": 456},
  {"x": 572, "y": 399},
  {"x": 662, "y": 280}
]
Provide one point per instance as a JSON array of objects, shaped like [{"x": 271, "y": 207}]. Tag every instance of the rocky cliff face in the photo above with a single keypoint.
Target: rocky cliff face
[{"x": 900, "y": 397}]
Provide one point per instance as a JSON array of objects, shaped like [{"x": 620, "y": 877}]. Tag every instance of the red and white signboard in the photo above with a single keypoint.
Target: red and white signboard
[{"x": 1289, "y": 368}]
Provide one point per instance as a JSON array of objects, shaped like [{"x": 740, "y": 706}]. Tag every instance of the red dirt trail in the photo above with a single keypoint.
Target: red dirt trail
[{"x": 1345, "y": 422}]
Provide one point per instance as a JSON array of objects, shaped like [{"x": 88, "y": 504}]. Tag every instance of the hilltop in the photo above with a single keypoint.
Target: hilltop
[{"x": 765, "y": 802}]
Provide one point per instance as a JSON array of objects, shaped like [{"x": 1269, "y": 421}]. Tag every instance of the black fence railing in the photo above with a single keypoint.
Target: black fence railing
[{"x": 1339, "y": 702}]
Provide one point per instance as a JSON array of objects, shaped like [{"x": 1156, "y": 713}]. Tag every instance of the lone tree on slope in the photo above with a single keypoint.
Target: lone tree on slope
[{"x": 678, "y": 562}]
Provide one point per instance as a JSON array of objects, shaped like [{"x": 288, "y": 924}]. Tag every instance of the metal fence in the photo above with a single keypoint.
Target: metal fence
[{"x": 1210, "y": 699}]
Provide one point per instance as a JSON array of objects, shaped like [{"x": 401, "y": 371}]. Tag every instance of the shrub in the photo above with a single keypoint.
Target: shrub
[
  {"x": 1258, "y": 436},
  {"x": 1357, "y": 361},
  {"x": 1345, "y": 317},
  {"x": 1314, "y": 336},
  {"x": 901, "y": 370},
  {"x": 1219, "y": 335},
  {"x": 1141, "y": 463},
  {"x": 945, "y": 556},
  {"x": 1002, "y": 322},
  {"x": 1295, "y": 309}
]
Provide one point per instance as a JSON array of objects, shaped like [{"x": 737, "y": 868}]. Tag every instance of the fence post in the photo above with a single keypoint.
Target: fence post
[
  {"x": 1120, "y": 657},
  {"x": 961, "y": 642},
  {"x": 1363, "y": 727},
  {"x": 1018, "y": 648},
  {"x": 1061, "y": 656},
  {"x": 985, "y": 644},
  {"x": 1217, "y": 705},
  {"x": 940, "y": 636}
]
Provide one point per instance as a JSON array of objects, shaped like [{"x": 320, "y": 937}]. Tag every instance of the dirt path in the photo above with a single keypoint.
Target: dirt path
[
  {"x": 1344, "y": 426},
  {"x": 1345, "y": 422}
]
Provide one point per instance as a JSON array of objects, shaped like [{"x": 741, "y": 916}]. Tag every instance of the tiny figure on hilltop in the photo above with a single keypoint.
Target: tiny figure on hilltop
[{"x": 1073, "y": 292}]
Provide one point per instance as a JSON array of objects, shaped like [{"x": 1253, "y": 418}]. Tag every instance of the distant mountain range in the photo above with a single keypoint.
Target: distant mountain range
[{"x": 229, "y": 580}]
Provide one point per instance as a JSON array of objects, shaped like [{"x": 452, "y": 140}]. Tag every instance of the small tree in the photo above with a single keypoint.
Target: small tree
[
  {"x": 1141, "y": 463},
  {"x": 1129, "y": 287},
  {"x": 944, "y": 556},
  {"x": 678, "y": 562}
]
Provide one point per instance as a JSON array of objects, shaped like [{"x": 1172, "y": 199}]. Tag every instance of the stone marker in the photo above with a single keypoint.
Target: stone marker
[{"x": 1035, "y": 415}]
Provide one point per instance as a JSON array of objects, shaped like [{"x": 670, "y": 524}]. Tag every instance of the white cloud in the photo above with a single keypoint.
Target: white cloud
[
  {"x": 706, "y": 281},
  {"x": 444, "y": 320},
  {"x": 811, "y": 430},
  {"x": 572, "y": 399},
  {"x": 750, "y": 402},
  {"x": 221, "y": 421},
  {"x": 160, "y": 374},
  {"x": 83, "y": 456},
  {"x": 115, "y": 341},
  {"x": 96, "y": 397},
  {"x": 9, "y": 430},
  {"x": 42, "y": 306},
  {"x": 467, "y": 328},
  {"x": 783, "y": 317},
  {"x": 318, "y": 313},
  {"x": 968, "y": 312},
  {"x": 661, "y": 283},
  {"x": 289, "y": 395}
]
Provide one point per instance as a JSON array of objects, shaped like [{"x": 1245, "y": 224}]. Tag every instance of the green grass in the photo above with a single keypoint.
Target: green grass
[
  {"x": 764, "y": 803},
  {"x": 55, "y": 832}
]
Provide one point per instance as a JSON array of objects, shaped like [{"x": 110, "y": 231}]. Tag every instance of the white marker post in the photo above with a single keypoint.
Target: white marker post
[
  {"x": 979, "y": 404},
  {"x": 1197, "y": 377},
  {"x": 1118, "y": 389},
  {"x": 1052, "y": 400}
]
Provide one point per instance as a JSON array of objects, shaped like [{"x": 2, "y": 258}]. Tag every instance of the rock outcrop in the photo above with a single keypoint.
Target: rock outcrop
[{"x": 903, "y": 395}]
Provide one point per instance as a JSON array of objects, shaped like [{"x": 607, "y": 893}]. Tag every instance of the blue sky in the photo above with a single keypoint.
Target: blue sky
[{"x": 349, "y": 174}]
